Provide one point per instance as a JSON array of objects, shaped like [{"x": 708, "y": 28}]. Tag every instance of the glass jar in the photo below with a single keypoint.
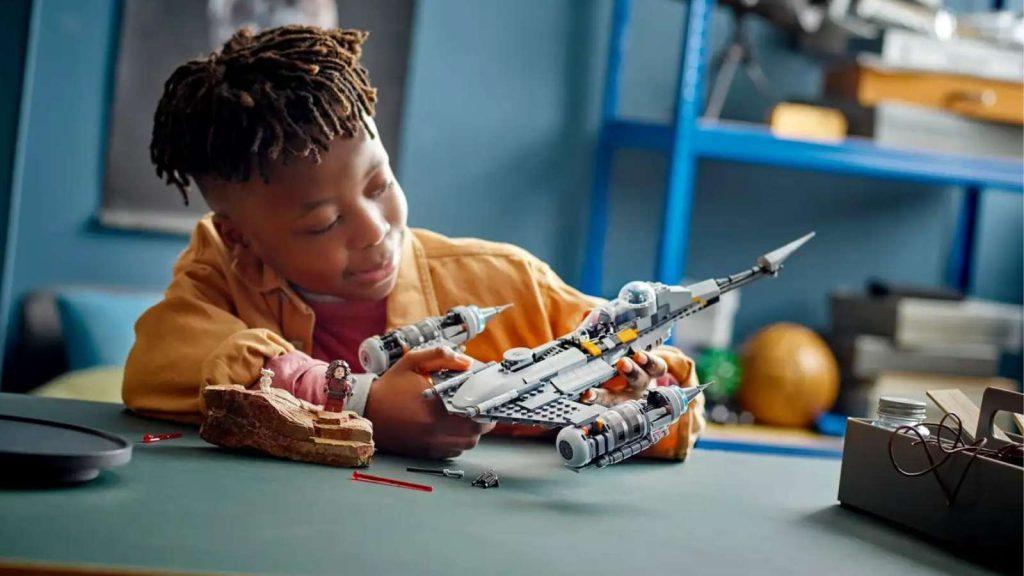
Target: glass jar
[{"x": 894, "y": 412}]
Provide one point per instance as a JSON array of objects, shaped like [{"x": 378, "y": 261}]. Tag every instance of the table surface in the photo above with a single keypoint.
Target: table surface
[{"x": 186, "y": 505}]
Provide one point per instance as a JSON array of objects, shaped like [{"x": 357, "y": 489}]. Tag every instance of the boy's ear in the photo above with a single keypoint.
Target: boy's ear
[{"x": 229, "y": 233}]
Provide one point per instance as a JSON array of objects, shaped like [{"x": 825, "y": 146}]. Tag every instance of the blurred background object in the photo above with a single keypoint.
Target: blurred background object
[
  {"x": 712, "y": 328},
  {"x": 721, "y": 366},
  {"x": 807, "y": 122},
  {"x": 157, "y": 36},
  {"x": 73, "y": 328},
  {"x": 790, "y": 376},
  {"x": 801, "y": 16},
  {"x": 904, "y": 342},
  {"x": 229, "y": 16}
]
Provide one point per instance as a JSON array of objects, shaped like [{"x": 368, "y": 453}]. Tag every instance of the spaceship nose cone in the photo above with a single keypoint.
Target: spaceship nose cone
[
  {"x": 695, "y": 391},
  {"x": 773, "y": 260}
]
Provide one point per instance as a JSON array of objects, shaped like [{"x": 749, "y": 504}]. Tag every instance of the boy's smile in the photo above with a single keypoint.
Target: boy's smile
[
  {"x": 334, "y": 228},
  {"x": 376, "y": 274}
]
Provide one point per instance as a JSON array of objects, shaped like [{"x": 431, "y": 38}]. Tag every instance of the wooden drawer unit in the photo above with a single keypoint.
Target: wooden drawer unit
[{"x": 966, "y": 95}]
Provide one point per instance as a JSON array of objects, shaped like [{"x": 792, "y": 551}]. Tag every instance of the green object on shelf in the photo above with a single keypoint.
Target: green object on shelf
[{"x": 721, "y": 366}]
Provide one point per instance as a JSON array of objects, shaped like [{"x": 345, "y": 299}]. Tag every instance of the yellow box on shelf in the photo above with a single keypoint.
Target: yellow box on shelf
[{"x": 807, "y": 122}]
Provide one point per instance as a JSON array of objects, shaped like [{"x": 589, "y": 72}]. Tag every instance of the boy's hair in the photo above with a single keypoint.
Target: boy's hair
[{"x": 283, "y": 93}]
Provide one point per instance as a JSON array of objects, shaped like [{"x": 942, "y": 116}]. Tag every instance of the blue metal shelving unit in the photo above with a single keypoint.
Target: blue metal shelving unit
[{"x": 689, "y": 138}]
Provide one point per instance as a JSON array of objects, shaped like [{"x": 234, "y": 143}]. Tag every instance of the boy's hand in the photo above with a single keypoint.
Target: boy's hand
[
  {"x": 636, "y": 375},
  {"x": 404, "y": 422}
]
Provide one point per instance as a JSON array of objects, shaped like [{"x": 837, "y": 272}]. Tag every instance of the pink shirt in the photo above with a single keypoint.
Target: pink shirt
[{"x": 341, "y": 326}]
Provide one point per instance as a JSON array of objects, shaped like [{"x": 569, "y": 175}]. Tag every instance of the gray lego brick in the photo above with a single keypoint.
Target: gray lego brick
[
  {"x": 585, "y": 413},
  {"x": 555, "y": 414},
  {"x": 548, "y": 394},
  {"x": 544, "y": 406},
  {"x": 580, "y": 379},
  {"x": 563, "y": 360}
]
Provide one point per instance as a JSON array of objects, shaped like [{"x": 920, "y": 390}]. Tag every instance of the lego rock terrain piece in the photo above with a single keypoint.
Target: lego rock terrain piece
[{"x": 274, "y": 422}]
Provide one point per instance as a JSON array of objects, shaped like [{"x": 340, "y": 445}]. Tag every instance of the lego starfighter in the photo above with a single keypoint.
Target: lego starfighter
[{"x": 542, "y": 386}]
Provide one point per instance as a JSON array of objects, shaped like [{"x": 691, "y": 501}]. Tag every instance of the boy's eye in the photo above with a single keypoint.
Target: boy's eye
[
  {"x": 383, "y": 189},
  {"x": 326, "y": 229}
]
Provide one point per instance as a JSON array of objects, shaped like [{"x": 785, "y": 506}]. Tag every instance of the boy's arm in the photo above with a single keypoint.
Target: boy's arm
[
  {"x": 305, "y": 377},
  {"x": 566, "y": 308},
  {"x": 191, "y": 339}
]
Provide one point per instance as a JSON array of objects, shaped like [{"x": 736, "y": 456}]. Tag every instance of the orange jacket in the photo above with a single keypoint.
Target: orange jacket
[{"x": 221, "y": 318}]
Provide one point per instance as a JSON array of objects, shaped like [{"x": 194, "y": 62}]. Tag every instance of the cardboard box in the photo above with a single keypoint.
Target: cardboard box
[{"x": 987, "y": 514}]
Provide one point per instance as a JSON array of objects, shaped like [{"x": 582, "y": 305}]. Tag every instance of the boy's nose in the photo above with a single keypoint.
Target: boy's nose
[{"x": 370, "y": 230}]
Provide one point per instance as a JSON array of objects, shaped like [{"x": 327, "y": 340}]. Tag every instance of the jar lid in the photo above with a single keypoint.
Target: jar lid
[
  {"x": 898, "y": 402},
  {"x": 896, "y": 406}
]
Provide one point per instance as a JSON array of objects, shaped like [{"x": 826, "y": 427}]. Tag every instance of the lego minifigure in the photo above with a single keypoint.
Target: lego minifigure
[
  {"x": 339, "y": 385},
  {"x": 266, "y": 379}
]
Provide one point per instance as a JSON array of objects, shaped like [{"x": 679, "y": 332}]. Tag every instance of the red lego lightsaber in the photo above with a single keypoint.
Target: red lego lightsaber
[{"x": 356, "y": 475}]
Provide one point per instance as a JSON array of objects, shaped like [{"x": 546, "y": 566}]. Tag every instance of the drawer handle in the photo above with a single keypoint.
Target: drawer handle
[{"x": 986, "y": 98}]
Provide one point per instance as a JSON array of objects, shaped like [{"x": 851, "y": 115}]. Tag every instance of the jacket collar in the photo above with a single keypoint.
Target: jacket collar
[{"x": 256, "y": 274}]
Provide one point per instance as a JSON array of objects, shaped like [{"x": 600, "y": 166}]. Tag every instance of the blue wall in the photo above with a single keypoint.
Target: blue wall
[
  {"x": 59, "y": 172},
  {"x": 13, "y": 34},
  {"x": 500, "y": 124},
  {"x": 500, "y": 121},
  {"x": 1000, "y": 252}
]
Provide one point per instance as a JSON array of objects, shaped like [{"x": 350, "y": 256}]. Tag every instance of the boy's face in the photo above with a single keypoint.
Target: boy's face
[{"x": 334, "y": 228}]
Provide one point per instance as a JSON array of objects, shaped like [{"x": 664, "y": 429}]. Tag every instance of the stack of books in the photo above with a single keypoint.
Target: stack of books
[
  {"x": 957, "y": 96},
  {"x": 900, "y": 346}
]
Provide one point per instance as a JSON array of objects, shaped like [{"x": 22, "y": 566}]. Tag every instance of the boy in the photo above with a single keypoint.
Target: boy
[{"x": 307, "y": 252}]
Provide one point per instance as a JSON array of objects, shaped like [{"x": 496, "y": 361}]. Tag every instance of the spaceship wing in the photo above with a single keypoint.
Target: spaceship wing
[
  {"x": 561, "y": 412},
  {"x": 552, "y": 404}
]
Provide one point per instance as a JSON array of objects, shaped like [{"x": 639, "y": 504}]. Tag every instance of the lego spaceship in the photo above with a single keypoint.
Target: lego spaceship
[{"x": 541, "y": 386}]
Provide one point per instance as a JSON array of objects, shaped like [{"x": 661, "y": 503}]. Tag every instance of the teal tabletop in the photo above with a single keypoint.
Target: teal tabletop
[{"x": 185, "y": 505}]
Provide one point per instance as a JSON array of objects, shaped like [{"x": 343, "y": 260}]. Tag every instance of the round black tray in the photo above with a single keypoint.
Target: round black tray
[{"x": 36, "y": 451}]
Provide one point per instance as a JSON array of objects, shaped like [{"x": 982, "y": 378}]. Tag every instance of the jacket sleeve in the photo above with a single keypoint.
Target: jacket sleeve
[
  {"x": 566, "y": 308},
  {"x": 192, "y": 339}
]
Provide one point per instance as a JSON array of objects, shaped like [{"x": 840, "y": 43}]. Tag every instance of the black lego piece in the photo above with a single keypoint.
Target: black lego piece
[{"x": 486, "y": 480}]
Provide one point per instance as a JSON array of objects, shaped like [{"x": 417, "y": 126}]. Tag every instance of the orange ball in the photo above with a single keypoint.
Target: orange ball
[{"x": 790, "y": 376}]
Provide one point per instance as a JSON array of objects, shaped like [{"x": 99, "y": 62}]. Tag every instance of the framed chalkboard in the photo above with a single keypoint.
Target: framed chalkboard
[{"x": 157, "y": 36}]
